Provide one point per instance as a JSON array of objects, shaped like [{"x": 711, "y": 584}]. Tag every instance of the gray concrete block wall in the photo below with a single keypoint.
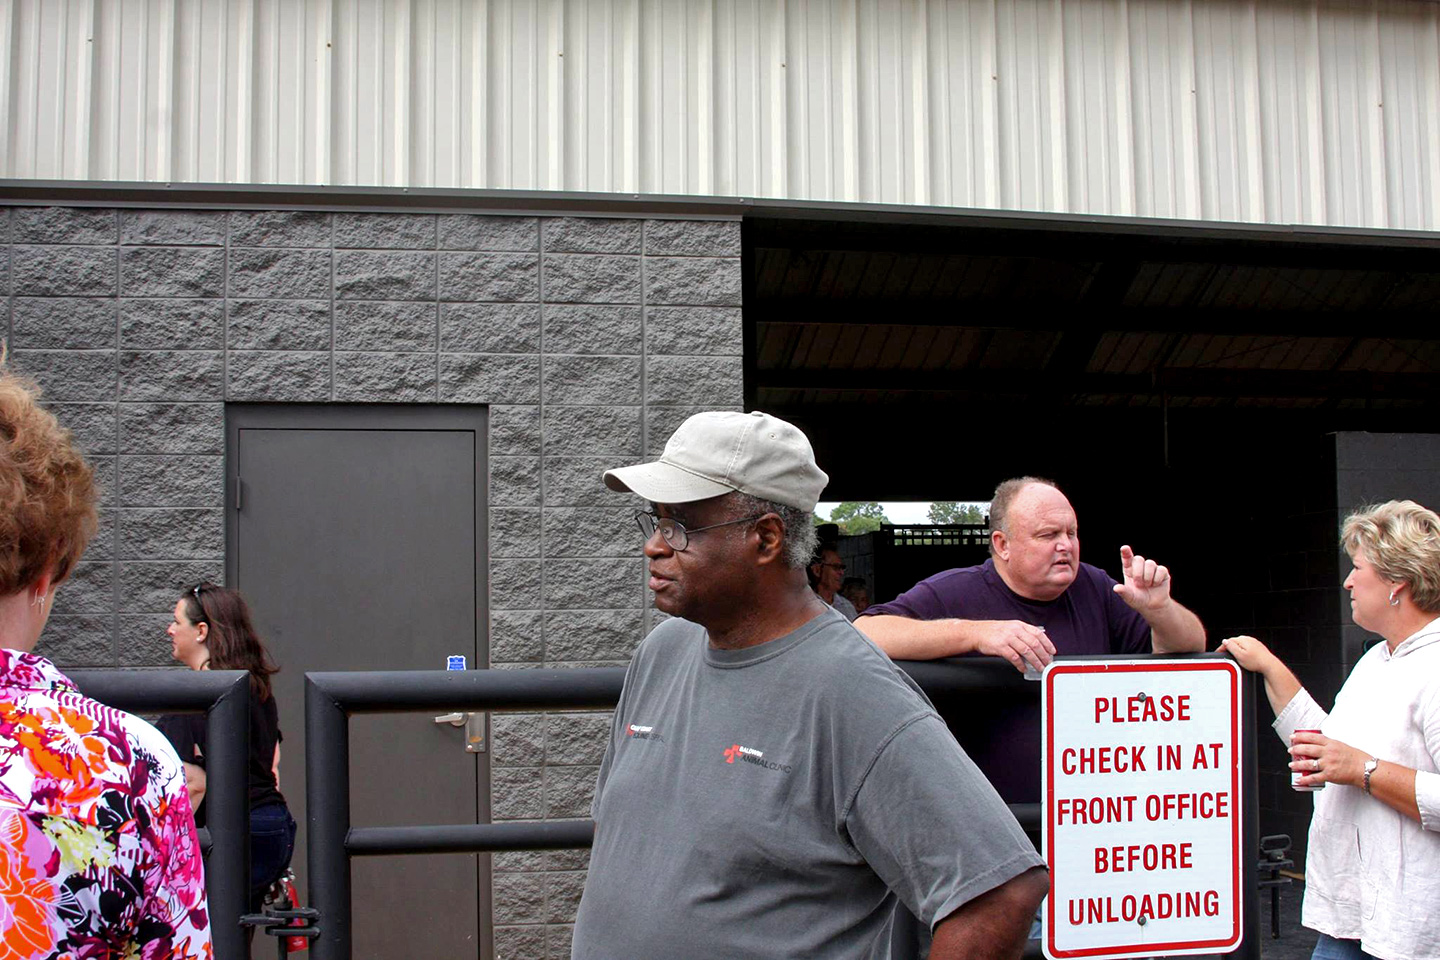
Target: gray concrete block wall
[{"x": 590, "y": 338}]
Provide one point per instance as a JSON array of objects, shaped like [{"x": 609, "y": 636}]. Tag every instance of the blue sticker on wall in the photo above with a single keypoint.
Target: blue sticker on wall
[{"x": 455, "y": 663}]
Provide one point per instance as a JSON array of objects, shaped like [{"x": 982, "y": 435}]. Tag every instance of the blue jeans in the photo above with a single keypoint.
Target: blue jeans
[
  {"x": 1328, "y": 948},
  {"x": 272, "y": 841}
]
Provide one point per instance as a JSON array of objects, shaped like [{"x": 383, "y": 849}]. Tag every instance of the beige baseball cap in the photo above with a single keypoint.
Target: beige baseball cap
[{"x": 719, "y": 452}]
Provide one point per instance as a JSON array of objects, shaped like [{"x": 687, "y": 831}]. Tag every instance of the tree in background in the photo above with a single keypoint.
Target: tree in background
[
  {"x": 953, "y": 511},
  {"x": 857, "y": 516}
]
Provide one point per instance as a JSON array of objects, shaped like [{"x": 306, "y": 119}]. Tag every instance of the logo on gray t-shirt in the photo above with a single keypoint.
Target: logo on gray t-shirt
[
  {"x": 636, "y": 731},
  {"x": 751, "y": 755}
]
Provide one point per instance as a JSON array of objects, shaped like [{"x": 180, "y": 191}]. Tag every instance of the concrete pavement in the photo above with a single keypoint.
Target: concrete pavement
[{"x": 1295, "y": 942}]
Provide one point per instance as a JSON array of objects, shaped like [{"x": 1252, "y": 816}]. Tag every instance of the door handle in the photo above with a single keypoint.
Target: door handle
[{"x": 474, "y": 724}]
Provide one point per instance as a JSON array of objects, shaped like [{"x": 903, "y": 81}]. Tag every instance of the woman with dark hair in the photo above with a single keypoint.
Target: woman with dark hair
[
  {"x": 98, "y": 856},
  {"x": 211, "y": 630}
]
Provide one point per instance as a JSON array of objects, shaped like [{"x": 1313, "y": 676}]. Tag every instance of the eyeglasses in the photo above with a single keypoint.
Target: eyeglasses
[
  {"x": 836, "y": 566},
  {"x": 673, "y": 532}
]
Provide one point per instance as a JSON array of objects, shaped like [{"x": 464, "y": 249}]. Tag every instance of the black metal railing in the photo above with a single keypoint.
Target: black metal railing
[
  {"x": 331, "y": 698},
  {"x": 224, "y": 696}
]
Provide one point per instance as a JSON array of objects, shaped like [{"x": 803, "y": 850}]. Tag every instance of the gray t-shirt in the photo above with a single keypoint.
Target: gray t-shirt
[{"x": 773, "y": 801}]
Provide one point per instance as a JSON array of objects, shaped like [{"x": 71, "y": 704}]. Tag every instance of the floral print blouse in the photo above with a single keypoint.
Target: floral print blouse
[{"x": 98, "y": 856}]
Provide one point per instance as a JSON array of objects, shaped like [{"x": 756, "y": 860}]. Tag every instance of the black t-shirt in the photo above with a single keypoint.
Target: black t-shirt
[{"x": 186, "y": 731}]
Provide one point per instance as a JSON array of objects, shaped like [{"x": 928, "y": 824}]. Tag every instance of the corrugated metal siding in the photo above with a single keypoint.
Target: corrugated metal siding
[{"x": 1303, "y": 111}]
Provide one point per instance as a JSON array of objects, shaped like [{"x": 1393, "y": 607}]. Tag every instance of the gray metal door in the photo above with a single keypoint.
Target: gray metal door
[{"x": 358, "y": 535}]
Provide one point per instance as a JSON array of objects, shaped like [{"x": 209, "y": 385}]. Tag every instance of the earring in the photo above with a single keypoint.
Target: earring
[
  {"x": 1394, "y": 600},
  {"x": 39, "y": 600}
]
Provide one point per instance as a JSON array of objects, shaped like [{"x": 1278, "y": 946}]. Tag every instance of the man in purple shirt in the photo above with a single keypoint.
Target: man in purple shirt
[{"x": 1031, "y": 600}]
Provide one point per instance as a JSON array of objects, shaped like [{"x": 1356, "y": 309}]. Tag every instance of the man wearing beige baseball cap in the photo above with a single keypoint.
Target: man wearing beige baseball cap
[{"x": 773, "y": 785}]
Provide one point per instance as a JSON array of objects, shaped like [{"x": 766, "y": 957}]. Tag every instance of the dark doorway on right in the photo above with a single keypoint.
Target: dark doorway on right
[{"x": 1219, "y": 397}]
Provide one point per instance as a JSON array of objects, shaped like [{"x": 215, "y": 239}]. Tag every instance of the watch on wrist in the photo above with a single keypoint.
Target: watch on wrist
[{"x": 1370, "y": 766}]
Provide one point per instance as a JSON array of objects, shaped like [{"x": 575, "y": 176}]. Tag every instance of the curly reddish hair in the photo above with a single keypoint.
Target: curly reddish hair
[{"x": 47, "y": 490}]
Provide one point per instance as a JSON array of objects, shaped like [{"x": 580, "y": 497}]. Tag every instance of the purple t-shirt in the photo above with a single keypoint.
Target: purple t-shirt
[{"x": 1088, "y": 618}]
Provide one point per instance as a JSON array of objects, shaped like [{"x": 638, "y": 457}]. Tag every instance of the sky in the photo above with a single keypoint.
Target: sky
[{"x": 899, "y": 511}]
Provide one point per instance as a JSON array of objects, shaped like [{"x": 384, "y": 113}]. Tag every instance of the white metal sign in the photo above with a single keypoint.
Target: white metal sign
[{"x": 1142, "y": 827}]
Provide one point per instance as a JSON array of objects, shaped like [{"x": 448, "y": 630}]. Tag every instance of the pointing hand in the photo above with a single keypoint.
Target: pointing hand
[{"x": 1147, "y": 584}]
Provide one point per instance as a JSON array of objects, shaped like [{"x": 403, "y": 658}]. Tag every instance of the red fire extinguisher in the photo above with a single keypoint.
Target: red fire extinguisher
[{"x": 283, "y": 896}]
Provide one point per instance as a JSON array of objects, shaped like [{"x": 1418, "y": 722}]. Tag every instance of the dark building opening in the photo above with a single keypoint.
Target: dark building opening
[{"x": 1219, "y": 397}]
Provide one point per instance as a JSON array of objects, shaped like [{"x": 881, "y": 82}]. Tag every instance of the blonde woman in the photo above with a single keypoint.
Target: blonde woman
[{"x": 1373, "y": 860}]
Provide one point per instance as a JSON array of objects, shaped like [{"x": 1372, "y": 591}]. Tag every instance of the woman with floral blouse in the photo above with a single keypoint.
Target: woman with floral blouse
[{"x": 98, "y": 856}]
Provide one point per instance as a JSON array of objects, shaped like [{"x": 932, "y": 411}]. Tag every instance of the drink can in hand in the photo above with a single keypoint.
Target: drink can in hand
[{"x": 1295, "y": 775}]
